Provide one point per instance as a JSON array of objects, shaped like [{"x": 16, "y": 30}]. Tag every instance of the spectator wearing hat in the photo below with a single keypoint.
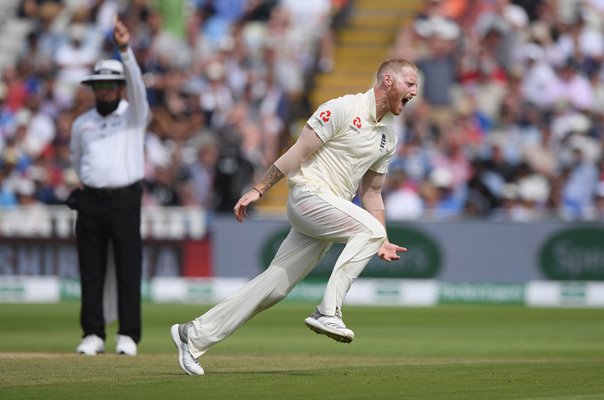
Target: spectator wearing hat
[{"x": 107, "y": 153}]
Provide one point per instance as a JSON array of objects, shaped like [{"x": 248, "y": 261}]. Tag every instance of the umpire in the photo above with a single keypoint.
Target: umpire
[{"x": 107, "y": 148}]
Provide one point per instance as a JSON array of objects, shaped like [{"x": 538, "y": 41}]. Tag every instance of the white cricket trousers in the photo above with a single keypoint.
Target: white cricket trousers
[{"x": 318, "y": 219}]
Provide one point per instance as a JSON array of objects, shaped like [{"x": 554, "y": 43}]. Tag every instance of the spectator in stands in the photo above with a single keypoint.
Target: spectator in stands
[
  {"x": 216, "y": 99},
  {"x": 74, "y": 59},
  {"x": 497, "y": 170},
  {"x": 442, "y": 200},
  {"x": 582, "y": 43},
  {"x": 233, "y": 175},
  {"x": 203, "y": 170},
  {"x": 168, "y": 46},
  {"x": 599, "y": 202},
  {"x": 502, "y": 26},
  {"x": 570, "y": 87},
  {"x": 15, "y": 152},
  {"x": 268, "y": 59},
  {"x": 539, "y": 75},
  {"x": 8, "y": 199},
  {"x": 438, "y": 66},
  {"x": 402, "y": 200},
  {"x": 31, "y": 218},
  {"x": 41, "y": 128},
  {"x": 480, "y": 199},
  {"x": 413, "y": 160},
  {"x": 579, "y": 190},
  {"x": 161, "y": 191}
]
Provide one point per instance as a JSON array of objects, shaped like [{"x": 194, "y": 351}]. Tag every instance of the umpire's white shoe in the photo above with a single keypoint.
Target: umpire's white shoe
[
  {"x": 125, "y": 345},
  {"x": 91, "y": 345},
  {"x": 330, "y": 326},
  {"x": 187, "y": 362}
]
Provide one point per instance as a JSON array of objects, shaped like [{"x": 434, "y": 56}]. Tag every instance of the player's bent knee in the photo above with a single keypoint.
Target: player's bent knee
[
  {"x": 273, "y": 298},
  {"x": 278, "y": 295}
]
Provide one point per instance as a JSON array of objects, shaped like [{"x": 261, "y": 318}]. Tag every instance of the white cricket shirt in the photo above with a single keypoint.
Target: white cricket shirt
[
  {"x": 354, "y": 142},
  {"x": 108, "y": 152}
]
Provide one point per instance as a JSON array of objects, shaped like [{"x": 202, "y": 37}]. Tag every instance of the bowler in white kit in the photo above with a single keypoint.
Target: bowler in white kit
[{"x": 344, "y": 149}]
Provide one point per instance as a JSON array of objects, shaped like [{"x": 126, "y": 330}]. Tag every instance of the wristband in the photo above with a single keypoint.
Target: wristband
[{"x": 259, "y": 192}]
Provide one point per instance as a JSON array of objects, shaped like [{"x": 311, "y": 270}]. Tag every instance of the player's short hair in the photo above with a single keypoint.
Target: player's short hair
[{"x": 394, "y": 65}]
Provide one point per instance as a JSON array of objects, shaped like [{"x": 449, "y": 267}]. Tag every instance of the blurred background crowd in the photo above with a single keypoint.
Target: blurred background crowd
[{"x": 509, "y": 124}]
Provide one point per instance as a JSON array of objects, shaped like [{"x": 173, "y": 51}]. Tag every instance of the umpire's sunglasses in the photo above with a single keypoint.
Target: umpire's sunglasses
[{"x": 105, "y": 85}]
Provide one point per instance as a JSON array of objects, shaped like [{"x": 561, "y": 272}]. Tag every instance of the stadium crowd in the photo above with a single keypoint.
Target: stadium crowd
[{"x": 509, "y": 126}]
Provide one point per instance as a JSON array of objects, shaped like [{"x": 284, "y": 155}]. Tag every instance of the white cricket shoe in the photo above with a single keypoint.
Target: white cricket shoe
[
  {"x": 187, "y": 362},
  {"x": 330, "y": 326},
  {"x": 125, "y": 345},
  {"x": 91, "y": 345}
]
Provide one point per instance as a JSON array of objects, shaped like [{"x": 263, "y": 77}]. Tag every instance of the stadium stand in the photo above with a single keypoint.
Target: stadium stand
[{"x": 509, "y": 125}]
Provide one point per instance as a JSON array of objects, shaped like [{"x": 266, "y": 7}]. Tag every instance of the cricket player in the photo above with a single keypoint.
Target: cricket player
[{"x": 343, "y": 149}]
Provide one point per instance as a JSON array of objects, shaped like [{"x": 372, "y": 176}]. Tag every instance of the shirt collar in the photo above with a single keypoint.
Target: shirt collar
[{"x": 369, "y": 97}]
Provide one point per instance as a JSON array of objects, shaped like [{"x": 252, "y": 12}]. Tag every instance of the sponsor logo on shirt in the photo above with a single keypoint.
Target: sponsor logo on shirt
[
  {"x": 323, "y": 117},
  {"x": 88, "y": 127},
  {"x": 356, "y": 125}
]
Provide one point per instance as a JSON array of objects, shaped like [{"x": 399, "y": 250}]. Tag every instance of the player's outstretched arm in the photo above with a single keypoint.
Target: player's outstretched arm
[
  {"x": 372, "y": 201},
  {"x": 272, "y": 176},
  {"x": 307, "y": 143}
]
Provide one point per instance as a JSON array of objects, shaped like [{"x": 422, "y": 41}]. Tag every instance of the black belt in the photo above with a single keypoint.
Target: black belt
[{"x": 107, "y": 192}]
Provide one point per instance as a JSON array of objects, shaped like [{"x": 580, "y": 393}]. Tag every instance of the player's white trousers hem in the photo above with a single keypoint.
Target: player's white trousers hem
[{"x": 318, "y": 219}]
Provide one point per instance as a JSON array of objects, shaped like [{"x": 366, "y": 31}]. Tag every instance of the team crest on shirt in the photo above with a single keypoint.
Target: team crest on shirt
[{"x": 356, "y": 124}]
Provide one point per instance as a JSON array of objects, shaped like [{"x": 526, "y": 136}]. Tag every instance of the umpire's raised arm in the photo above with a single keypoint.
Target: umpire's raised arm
[{"x": 135, "y": 87}]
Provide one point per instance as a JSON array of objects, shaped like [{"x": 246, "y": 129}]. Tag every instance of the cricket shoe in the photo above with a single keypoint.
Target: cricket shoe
[
  {"x": 91, "y": 345},
  {"x": 330, "y": 326},
  {"x": 125, "y": 345},
  {"x": 187, "y": 362}
]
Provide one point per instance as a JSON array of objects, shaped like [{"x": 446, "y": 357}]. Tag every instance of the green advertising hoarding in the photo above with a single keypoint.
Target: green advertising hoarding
[
  {"x": 575, "y": 254},
  {"x": 422, "y": 261}
]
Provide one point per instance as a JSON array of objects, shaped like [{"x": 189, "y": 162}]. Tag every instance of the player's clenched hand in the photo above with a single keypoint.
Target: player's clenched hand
[
  {"x": 388, "y": 251},
  {"x": 240, "y": 208}
]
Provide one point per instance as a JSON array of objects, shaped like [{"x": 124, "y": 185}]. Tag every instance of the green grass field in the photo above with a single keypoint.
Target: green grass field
[{"x": 445, "y": 352}]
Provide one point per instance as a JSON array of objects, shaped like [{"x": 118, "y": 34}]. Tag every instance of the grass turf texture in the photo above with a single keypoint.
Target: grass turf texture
[{"x": 446, "y": 352}]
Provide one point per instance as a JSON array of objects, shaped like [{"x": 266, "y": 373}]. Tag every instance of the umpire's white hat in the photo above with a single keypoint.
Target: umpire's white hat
[{"x": 106, "y": 70}]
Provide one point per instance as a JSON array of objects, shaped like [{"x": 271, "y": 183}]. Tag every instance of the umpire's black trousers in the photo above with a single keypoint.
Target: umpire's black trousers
[{"x": 110, "y": 216}]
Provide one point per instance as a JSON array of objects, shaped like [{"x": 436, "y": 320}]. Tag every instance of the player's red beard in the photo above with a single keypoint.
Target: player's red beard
[{"x": 105, "y": 108}]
